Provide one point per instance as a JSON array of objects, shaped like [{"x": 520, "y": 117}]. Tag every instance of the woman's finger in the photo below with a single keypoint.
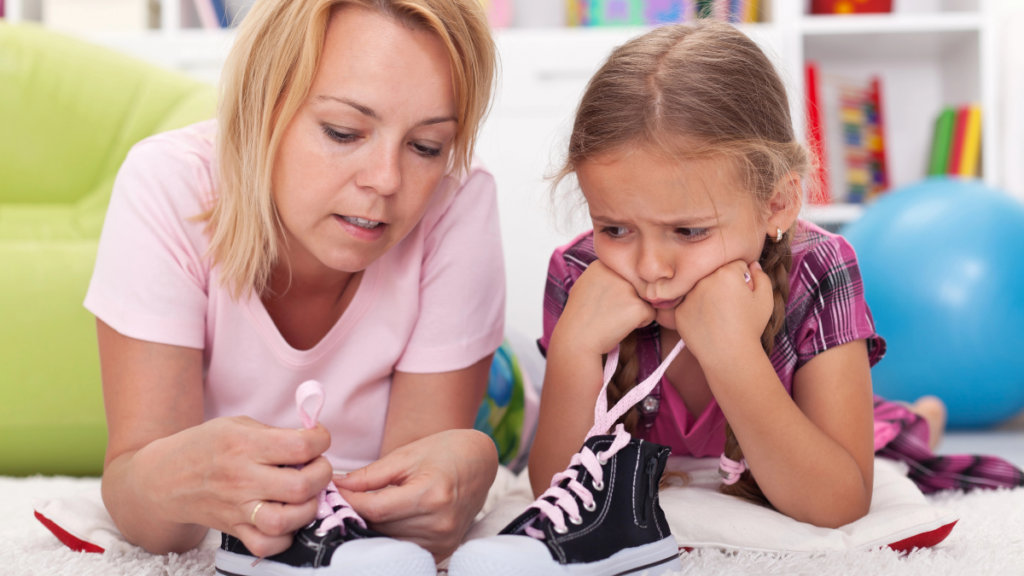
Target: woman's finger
[
  {"x": 291, "y": 485},
  {"x": 284, "y": 447},
  {"x": 260, "y": 544},
  {"x": 391, "y": 504},
  {"x": 391, "y": 469},
  {"x": 277, "y": 519}
]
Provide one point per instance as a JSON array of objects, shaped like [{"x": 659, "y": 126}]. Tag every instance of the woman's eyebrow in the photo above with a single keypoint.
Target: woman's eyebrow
[{"x": 371, "y": 113}]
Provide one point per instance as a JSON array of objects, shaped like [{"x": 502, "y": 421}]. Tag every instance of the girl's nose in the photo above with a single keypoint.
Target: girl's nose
[
  {"x": 381, "y": 171},
  {"x": 654, "y": 264}
]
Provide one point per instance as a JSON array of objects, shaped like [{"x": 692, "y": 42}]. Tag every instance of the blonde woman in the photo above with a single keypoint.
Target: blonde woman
[{"x": 329, "y": 225}]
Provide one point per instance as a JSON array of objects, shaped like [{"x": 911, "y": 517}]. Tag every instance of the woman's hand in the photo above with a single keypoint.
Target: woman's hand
[
  {"x": 724, "y": 312},
  {"x": 427, "y": 491},
  {"x": 168, "y": 476},
  {"x": 215, "y": 475},
  {"x": 603, "y": 308}
]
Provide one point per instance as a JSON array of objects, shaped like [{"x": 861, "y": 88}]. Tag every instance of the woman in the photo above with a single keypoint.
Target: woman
[{"x": 329, "y": 225}]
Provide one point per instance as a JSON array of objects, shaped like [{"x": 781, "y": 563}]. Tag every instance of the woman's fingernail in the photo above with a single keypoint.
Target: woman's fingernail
[
  {"x": 746, "y": 277},
  {"x": 756, "y": 265}
]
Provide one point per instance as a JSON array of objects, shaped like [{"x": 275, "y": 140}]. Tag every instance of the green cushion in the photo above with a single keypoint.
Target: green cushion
[
  {"x": 69, "y": 113},
  {"x": 51, "y": 419}
]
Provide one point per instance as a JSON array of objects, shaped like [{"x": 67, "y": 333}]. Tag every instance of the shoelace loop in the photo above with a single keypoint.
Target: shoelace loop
[
  {"x": 564, "y": 499},
  {"x": 331, "y": 506}
]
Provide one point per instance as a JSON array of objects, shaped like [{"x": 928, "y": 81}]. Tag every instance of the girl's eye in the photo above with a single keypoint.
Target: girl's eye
[
  {"x": 341, "y": 137},
  {"x": 426, "y": 151},
  {"x": 693, "y": 233},
  {"x": 614, "y": 231}
]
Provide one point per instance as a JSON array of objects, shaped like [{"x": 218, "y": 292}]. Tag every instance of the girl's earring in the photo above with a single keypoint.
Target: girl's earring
[{"x": 778, "y": 234}]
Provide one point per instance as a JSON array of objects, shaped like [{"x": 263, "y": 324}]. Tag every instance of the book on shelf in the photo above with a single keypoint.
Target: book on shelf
[
  {"x": 207, "y": 14},
  {"x": 956, "y": 142},
  {"x": 820, "y": 192},
  {"x": 655, "y": 12},
  {"x": 850, "y": 6}
]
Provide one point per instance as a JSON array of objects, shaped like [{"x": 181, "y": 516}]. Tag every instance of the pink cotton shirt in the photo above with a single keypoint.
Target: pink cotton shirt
[{"x": 433, "y": 303}]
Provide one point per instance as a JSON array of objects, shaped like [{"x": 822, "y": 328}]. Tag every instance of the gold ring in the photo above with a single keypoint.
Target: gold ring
[{"x": 252, "y": 517}]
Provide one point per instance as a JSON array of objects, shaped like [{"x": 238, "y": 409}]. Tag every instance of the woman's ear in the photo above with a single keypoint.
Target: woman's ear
[{"x": 784, "y": 207}]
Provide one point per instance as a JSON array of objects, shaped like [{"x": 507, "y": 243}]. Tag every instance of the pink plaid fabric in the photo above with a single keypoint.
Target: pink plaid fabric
[{"x": 826, "y": 309}]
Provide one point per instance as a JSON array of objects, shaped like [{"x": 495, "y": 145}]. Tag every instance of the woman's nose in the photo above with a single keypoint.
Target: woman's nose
[
  {"x": 654, "y": 264},
  {"x": 382, "y": 171}
]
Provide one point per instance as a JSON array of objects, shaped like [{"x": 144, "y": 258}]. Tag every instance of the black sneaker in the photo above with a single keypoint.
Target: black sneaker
[
  {"x": 336, "y": 542},
  {"x": 601, "y": 517},
  {"x": 614, "y": 525},
  {"x": 348, "y": 549}
]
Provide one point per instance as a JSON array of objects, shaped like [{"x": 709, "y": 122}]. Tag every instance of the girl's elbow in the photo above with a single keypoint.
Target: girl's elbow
[{"x": 845, "y": 509}]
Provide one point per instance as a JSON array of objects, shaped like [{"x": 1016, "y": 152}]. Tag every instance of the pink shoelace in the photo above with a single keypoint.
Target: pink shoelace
[
  {"x": 311, "y": 394},
  {"x": 564, "y": 502}
]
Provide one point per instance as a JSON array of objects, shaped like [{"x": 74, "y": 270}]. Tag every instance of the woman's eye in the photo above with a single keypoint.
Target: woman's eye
[
  {"x": 615, "y": 231},
  {"x": 427, "y": 151},
  {"x": 341, "y": 137},
  {"x": 692, "y": 233}
]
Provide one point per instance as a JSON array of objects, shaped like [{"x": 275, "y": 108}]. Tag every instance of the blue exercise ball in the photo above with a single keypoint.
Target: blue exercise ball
[{"x": 943, "y": 269}]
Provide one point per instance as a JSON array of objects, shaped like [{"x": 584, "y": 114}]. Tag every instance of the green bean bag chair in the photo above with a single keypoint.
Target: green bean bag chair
[{"x": 69, "y": 112}]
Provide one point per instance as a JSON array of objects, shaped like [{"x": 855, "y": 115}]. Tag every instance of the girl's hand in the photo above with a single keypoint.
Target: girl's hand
[
  {"x": 603, "y": 308},
  {"x": 216, "y": 473},
  {"x": 723, "y": 312},
  {"x": 428, "y": 491}
]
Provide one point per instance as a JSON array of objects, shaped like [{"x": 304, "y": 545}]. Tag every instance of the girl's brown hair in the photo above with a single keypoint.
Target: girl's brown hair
[
  {"x": 267, "y": 76},
  {"x": 689, "y": 91}
]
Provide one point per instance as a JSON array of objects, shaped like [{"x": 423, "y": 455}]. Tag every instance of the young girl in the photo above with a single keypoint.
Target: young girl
[{"x": 684, "y": 150}]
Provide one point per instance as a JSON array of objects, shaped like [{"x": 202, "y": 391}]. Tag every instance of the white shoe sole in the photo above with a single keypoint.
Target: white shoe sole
[
  {"x": 518, "y": 555},
  {"x": 370, "y": 557}
]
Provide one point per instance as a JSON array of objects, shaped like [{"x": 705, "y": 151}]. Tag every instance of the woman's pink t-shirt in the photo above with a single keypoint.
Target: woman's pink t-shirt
[{"x": 433, "y": 303}]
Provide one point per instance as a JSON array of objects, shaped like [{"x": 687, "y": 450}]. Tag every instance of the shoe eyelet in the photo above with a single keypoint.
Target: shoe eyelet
[
  {"x": 601, "y": 461},
  {"x": 590, "y": 507},
  {"x": 577, "y": 520},
  {"x": 597, "y": 485},
  {"x": 562, "y": 530},
  {"x": 319, "y": 533}
]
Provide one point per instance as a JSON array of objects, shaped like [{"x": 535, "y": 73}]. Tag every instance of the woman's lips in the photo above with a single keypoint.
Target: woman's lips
[
  {"x": 360, "y": 233},
  {"x": 665, "y": 304}
]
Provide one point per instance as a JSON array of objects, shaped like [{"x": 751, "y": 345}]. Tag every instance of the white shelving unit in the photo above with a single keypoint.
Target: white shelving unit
[{"x": 927, "y": 60}]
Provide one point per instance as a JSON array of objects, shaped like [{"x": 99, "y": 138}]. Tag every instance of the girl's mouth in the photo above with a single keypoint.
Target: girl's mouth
[{"x": 665, "y": 304}]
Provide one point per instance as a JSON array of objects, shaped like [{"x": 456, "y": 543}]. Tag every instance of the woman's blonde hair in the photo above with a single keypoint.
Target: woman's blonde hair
[
  {"x": 266, "y": 78},
  {"x": 689, "y": 91}
]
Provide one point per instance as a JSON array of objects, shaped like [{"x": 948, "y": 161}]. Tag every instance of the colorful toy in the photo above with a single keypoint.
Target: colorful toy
[{"x": 502, "y": 412}]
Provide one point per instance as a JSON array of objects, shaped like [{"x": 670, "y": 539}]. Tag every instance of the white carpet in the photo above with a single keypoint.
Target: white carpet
[{"x": 988, "y": 540}]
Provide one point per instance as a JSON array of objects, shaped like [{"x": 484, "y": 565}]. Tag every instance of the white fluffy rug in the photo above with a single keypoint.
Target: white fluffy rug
[{"x": 989, "y": 539}]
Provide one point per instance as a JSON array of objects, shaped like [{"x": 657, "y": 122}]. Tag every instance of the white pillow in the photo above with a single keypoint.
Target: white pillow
[{"x": 702, "y": 517}]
